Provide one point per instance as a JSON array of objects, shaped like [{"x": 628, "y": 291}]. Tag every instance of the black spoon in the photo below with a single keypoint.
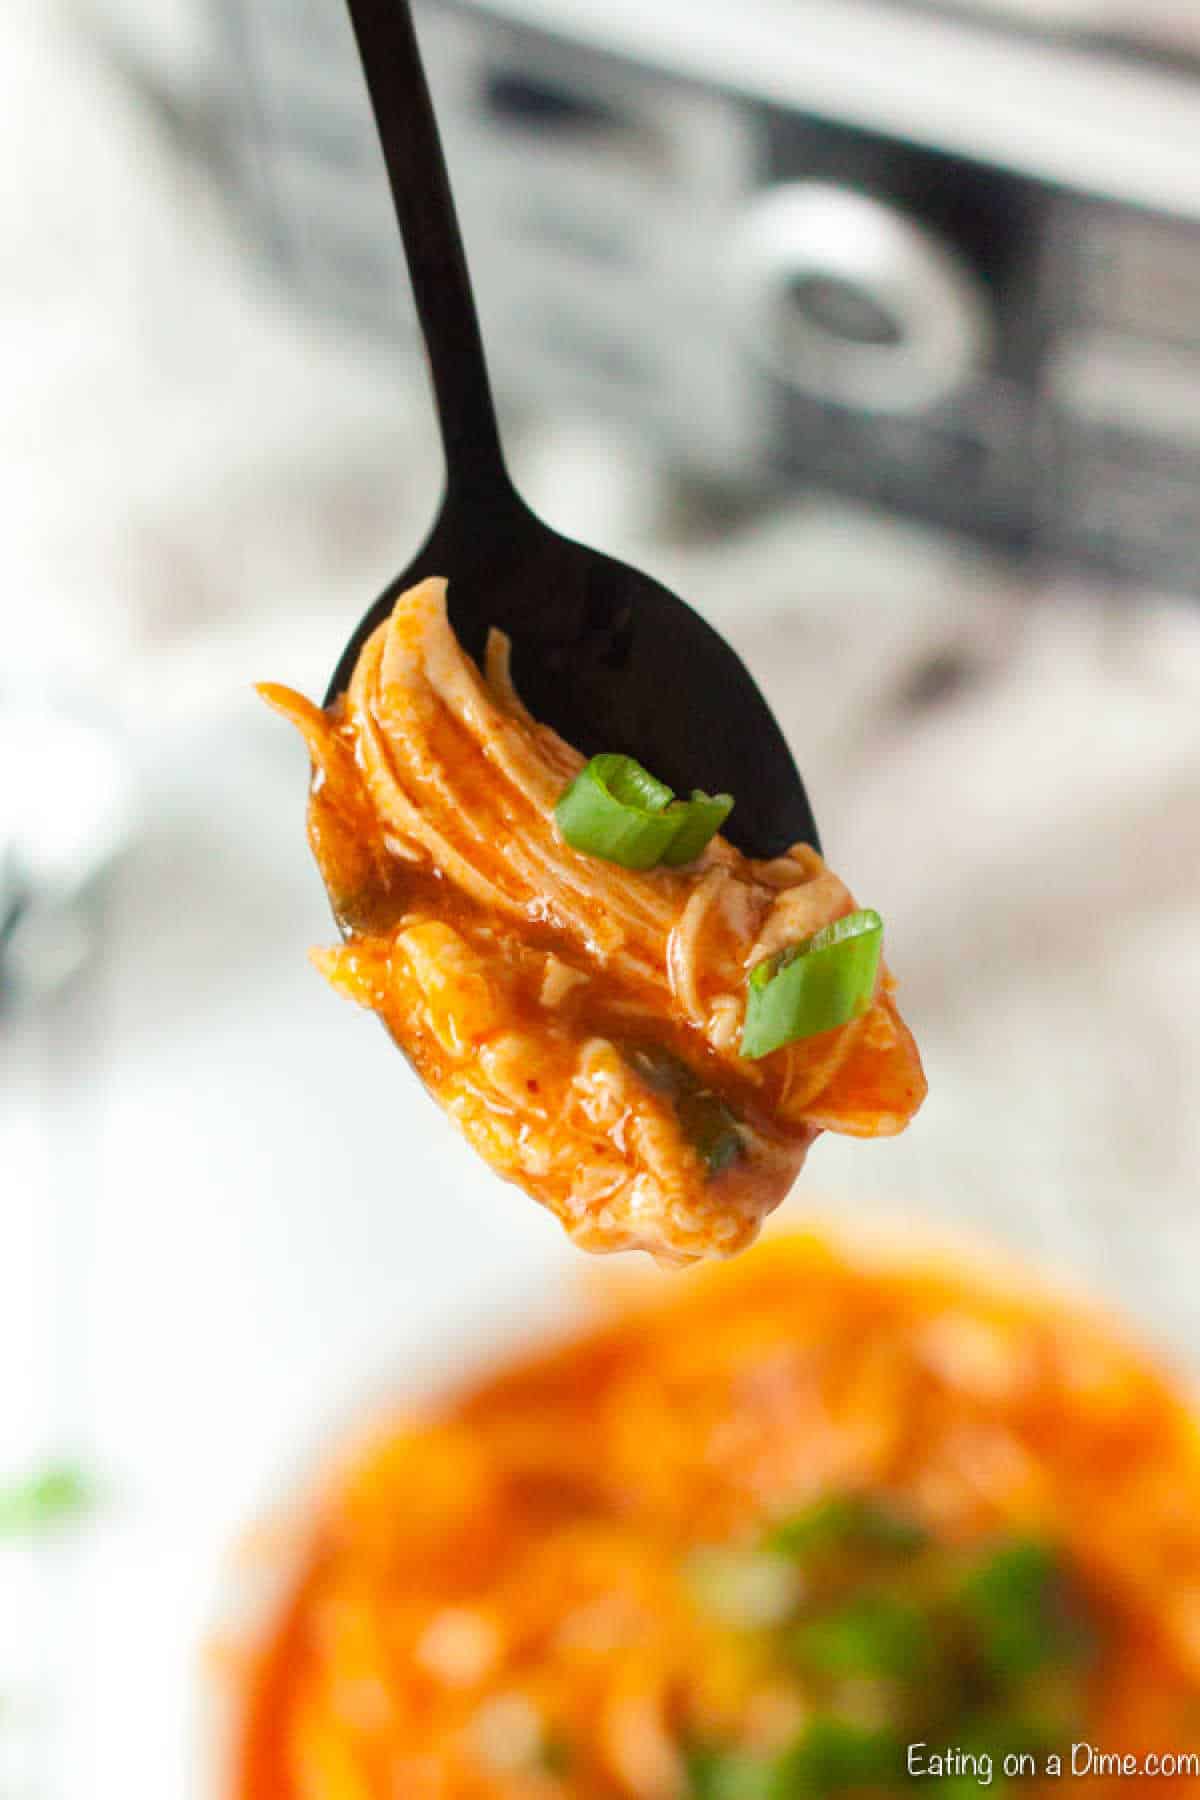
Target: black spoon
[{"x": 600, "y": 651}]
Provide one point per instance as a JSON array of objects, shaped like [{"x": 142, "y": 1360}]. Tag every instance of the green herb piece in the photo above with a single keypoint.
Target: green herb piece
[
  {"x": 830, "y": 1758},
  {"x": 711, "y": 1128},
  {"x": 847, "y": 1522},
  {"x": 970, "y": 1787},
  {"x": 996, "y": 1736},
  {"x": 699, "y": 821},
  {"x": 730, "y": 1775},
  {"x": 56, "y": 1494},
  {"x": 1022, "y": 1614},
  {"x": 1001, "y": 1734},
  {"x": 871, "y": 1636},
  {"x": 813, "y": 986},
  {"x": 709, "y": 1125},
  {"x": 833, "y": 1757},
  {"x": 617, "y": 810}
]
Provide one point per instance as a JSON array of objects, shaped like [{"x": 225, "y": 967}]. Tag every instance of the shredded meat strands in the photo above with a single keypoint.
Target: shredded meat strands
[
  {"x": 497, "y": 1601},
  {"x": 528, "y": 982}
]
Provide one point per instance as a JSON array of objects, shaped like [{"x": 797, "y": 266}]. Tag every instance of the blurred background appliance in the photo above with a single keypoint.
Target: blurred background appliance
[{"x": 945, "y": 258}]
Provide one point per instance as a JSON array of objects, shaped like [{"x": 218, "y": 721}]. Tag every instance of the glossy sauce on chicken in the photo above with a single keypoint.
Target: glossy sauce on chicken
[
  {"x": 750, "y": 1540},
  {"x": 580, "y": 1022}
]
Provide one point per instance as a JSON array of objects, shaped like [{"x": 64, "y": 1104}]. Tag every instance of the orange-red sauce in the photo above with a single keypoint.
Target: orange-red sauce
[{"x": 499, "y": 1601}]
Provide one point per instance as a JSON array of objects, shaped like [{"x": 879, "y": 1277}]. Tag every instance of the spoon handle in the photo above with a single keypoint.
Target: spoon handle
[{"x": 437, "y": 264}]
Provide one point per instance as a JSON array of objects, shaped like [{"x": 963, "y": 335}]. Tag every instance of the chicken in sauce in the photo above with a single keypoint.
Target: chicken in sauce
[{"x": 586, "y": 1024}]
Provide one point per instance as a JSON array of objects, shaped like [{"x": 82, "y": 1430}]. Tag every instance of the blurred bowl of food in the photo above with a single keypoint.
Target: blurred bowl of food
[{"x": 845, "y": 1512}]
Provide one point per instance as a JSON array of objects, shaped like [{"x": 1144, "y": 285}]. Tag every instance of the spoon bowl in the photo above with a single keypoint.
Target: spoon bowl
[{"x": 600, "y": 651}]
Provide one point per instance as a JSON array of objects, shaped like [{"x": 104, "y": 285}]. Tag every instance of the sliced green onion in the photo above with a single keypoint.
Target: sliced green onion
[
  {"x": 730, "y": 1775},
  {"x": 1011, "y": 1733},
  {"x": 616, "y": 810},
  {"x": 873, "y": 1636},
  {"x": 813, "y": 986},
  {"x": 709, "y": 1125},
  {"x": 711, "y": 1128},
  {"x": 1023, "y": 1613},
  {"x": 846, "y": 1522},
  {"x": 51, "y": 1497},
  {"x": 832, "y": 1756},
  {"x": 700, "y": 819}
]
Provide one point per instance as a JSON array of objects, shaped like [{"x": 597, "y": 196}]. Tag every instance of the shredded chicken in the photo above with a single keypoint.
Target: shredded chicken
[{"x": 527, "y": 982}]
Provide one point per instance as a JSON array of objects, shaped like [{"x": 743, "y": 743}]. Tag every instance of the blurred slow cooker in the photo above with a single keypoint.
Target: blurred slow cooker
[{"x": 960, "y": 277}]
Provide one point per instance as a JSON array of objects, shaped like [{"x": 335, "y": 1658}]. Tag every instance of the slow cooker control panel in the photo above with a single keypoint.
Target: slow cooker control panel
[{"x": 770, "y": 295}]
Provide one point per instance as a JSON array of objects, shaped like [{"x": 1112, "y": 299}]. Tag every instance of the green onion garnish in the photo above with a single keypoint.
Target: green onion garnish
[
  {"x": 1022, "y": 1612},
  {"x": 830, "y": 1757},
  {"x": 700, "y": 819},
  {"x": 706, "y": 1122},
  {"x": 59, "y": 1492},
  {"x": 711, "y": 1128},
  {"x": 730, "y": 1775},
  {"x": 813, "y": 986},
  {"x": 1011, "y": 1733},
  {"x": 846, "y": 1522},
  {"x": 873, "y": 1636},
  {"x": 616, "y": 810},
  {"x": 833, "y": 1756}
]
